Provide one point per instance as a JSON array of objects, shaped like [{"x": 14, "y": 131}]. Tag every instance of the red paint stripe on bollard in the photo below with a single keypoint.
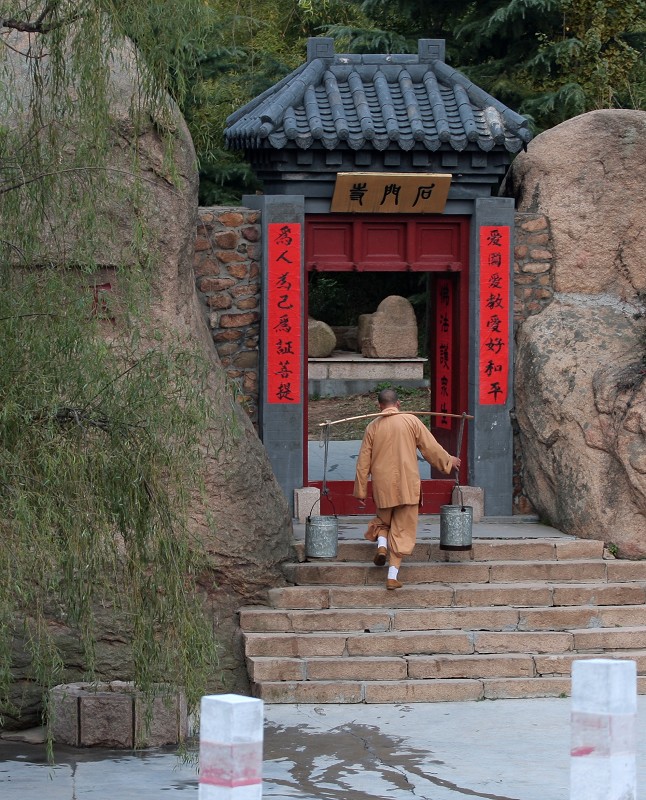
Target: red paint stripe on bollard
[
  {"x": 230, "y": 764},
  {"x": 604, "y": 734},
  {"x": 582, "y": 751}
]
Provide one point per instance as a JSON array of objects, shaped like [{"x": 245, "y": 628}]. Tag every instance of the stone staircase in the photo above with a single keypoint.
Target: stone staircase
[{"x": 504, "y": 620}]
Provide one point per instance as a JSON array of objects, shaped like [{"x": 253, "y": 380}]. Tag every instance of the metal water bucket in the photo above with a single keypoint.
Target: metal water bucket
[
  {"x": 456, "y": 527},
  {"x": 321, "y": 537}
]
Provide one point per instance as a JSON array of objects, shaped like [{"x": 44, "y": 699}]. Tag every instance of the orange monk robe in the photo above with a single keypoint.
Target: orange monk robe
[{"x": 389, "y": 456}]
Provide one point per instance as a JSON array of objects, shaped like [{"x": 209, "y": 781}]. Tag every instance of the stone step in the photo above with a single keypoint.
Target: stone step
[
  {"x": 492, "y": 618},
  {"x": 566, "y": 571},
  {"x": 423, "y": 667},
  {"x": 503, "y": 620},
  {"x": 557, "y": 549},
  {"x": 452, "y": 642},
  {"x": 460, "y": 594},
  {"x": 416, "y": 691}
]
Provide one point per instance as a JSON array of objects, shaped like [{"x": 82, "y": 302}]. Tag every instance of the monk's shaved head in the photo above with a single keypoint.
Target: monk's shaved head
[{"x": 387, "y": 397}]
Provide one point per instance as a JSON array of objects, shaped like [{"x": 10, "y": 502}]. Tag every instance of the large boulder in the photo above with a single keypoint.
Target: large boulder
[
  {"x": 579, "y": 372},
  {"x": 391, "y": 332},
  {"x": 582, "y": 435},
  {"x": 241, "y": 516},
  {"x": 321, "y": 339}
]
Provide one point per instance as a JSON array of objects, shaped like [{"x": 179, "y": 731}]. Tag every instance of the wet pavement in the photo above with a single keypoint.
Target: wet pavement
[{"x": 498, "y": 750}]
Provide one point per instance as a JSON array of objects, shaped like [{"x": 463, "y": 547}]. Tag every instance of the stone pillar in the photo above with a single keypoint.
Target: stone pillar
[
  {"x": 281, "y": 423},
  {"x": 231, "y": 738},
  {"x": 490, "y": 457},
  {"x": 604, "y": 709}
]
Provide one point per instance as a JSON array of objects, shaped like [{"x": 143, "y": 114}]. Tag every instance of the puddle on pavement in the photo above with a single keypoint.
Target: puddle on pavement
[{"x": 352, "y": 760}]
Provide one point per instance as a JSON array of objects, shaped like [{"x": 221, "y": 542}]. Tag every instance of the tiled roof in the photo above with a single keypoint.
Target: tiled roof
[{"x": 376, "y": 100}]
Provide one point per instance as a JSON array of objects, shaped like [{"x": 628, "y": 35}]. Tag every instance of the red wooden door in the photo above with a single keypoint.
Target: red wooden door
[{"x": 438, "y": 246}]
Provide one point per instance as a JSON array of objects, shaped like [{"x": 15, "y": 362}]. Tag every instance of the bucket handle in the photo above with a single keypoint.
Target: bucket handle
[
  {"x": 457, "y": 469},
  {"x": 326, "y": 492}
]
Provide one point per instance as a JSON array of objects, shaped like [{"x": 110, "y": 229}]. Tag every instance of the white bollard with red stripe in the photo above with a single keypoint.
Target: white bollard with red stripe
[
  {"x": 231, "y": 736},
  {"x": 603, "y": 714}
]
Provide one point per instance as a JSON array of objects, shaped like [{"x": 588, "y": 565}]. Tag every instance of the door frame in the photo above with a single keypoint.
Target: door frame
[{"x": 354, "y": 255}]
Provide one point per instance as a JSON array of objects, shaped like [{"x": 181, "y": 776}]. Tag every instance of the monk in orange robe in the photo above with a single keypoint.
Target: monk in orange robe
[{"x": 389, "y": 456}]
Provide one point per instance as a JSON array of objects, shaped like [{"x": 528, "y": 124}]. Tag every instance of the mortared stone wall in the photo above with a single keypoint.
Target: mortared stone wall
[{"x": 227, "y": 272}]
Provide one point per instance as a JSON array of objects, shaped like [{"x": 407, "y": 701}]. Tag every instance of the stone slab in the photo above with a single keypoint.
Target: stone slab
[
  {"x": 306, "y": 503},
  {"x": 472, "y": 496}
]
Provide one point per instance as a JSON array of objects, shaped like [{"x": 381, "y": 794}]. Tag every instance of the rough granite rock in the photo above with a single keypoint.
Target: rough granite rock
[
  {"x": 391, "y": 332},
  {"x": 588, "y": 175},
  {"x": 321, "y": 339},
  {"x": 362, "y": 327},
  {"x": 582, "y": 438},
  {"x": 253, "y": 530},
  {"x": 580, "y": 405}
]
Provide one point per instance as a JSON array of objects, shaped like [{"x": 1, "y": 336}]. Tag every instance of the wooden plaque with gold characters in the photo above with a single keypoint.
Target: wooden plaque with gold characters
[{"x": 391, "y": 193}]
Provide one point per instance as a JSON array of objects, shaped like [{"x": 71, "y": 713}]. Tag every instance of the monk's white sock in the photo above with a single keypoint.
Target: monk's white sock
[
  {"x": 392, "y": 573},
  {"x": 382, "y": 542}
]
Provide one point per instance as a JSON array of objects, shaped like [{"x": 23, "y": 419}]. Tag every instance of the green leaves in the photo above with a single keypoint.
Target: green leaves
[
  {"x": 103, "y": 417},
  {"x": 100, "y": 452}
]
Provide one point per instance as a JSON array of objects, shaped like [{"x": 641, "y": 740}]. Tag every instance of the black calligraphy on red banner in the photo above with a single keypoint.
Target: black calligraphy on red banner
[
  {"x": 494, "y": 314},
  {"x": 284, "y": 341},
  {"x": 443, "y": 379}
]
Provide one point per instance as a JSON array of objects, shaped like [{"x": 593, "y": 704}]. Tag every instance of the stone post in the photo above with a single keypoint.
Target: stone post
[
  {"x": 231, "y": 737},
  {"x": 604, "y": 708},
  {"x": 307, "y": 503},
  {"x": 490, "y": 457},
  {"x": 281, "y": 420}
]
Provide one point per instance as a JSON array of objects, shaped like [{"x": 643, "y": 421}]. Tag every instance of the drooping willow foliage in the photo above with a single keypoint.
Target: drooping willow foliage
[{"x": 102, "y": 417}]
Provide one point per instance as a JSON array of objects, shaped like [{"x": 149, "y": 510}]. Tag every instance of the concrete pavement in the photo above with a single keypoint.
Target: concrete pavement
[{"x": 498, "y": 750}]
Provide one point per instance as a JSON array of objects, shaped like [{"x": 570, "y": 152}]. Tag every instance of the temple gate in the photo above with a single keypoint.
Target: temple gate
[{"x": 388, "y": 164}]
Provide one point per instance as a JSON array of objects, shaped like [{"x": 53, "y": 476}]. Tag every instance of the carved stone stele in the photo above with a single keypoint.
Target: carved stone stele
[{"x": 391, "y": 332}]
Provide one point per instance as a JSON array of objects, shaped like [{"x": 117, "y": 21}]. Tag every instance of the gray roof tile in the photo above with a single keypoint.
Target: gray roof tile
[{"x": 375, "y": 100}]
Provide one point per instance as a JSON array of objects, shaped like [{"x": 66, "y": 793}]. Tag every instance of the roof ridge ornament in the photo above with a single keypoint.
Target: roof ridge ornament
[
  {"x": 320, "y": 47},
  {"x": 431, "y": 50}
]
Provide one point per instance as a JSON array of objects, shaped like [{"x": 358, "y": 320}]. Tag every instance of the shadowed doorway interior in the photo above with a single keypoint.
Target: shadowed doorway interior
[{"x": 353, "y": 264}]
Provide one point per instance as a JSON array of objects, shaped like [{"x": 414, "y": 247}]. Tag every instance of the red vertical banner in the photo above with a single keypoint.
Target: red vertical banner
[
  {"x": 443, "y": 379},
  {"x": 284, "y": 341},
  {"x": 494, "y": 301}
]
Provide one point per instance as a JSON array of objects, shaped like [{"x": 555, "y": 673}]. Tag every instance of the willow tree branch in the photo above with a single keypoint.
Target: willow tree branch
[
  {"x": 114, "y": 380},
  {"x": 41, "y": 176},
  {"x": 40, "y": 25},
  {"x": 13, "y": 247}
]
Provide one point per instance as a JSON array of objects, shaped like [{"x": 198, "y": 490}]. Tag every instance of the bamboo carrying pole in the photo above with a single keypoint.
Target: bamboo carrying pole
[{"x": 381, "y": 414}]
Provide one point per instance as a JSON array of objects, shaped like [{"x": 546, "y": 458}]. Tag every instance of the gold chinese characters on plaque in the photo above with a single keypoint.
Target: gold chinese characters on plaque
[{"x": 391, "y": 193}]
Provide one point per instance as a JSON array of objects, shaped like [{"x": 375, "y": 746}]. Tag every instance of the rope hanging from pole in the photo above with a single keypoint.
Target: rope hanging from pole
[{"x": 326, "y": 441}]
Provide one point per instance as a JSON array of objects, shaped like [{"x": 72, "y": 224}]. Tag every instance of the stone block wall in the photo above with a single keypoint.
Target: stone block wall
[
  {"x": 533, "y": 291},
  {"x": 533, "y": 266},
  {"x": 227, "y": 272}
]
